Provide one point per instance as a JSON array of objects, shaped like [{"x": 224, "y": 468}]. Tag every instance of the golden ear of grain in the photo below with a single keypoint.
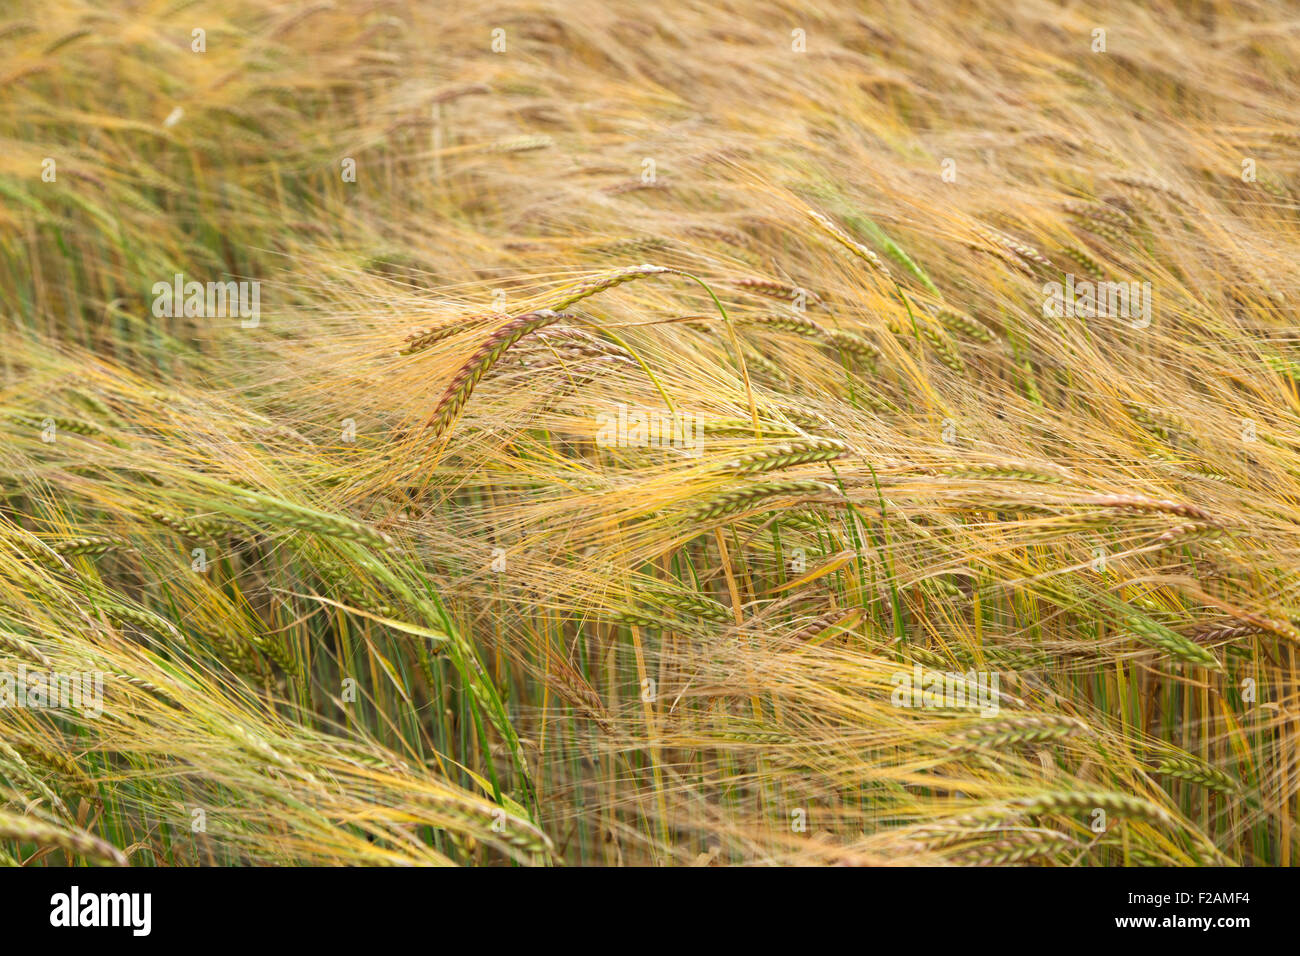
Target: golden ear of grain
[
  {"x": 422, "y": 339},
  {"x": 608, "y": 281},
  {"x": 824, "y": 223},
  {"x": 788, "y": 455},
  {"x": 778, "y": 290},
  {"x": 487, "y": 355},
  {"x": 751, "y": 496},
  {"x": 1012, "y": 472}
]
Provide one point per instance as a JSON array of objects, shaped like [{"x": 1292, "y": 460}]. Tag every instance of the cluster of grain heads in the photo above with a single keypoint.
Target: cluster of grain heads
[
  {"x": 954, "y": 832},
  {"x": 828, "y": 529},
  {"x": 1220, "y": 633},
  {"x": 1098, "y": 229},
  {"x": 55, "y": 553},
  {"x": 146, "y": 620},
  {"x": 57, "y": 762},
  {"x": 23, "y": 777},
  {"x": 1282, "y": 628},
  {"x": 520, "y": 144},
  {"x": 1103, "y": 211},
  {"x": 578, "y": 692},
  {"x": 854, "y": 345},
  {"x": 692, "y": 605},
  {"x": 631, "y": 244},
  {"x": 744, "y": 428},
  {"x": 147, "y": 686},
  {"x": 746, "y": 735},
  {"x": 22, "y": 647},
  {"x": 807, "y": 524},
  {"x": 511, "y": 831},
  {"x": 637, "y": 618},
  {"x": 1187, "y": 533},
  {"x": 1150, "y": 184},
  {"x": 571, "y": 347},
  {"x": 1159, "y": 423},
  {"x": 1003, "y": 659},
  {"x": 75, "y": 426},
  {"x": 799, "y": 415},
  {"x": 94, "y": 545},
  {"x": 766, "y": 369},
  {"x": 350, "y": 587}
]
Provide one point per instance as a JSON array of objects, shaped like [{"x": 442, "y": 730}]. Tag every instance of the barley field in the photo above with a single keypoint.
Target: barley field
[{"x": 649, "y": 434}]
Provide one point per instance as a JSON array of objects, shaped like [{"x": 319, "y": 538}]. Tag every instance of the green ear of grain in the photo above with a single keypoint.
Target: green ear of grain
[
  {"x": 1194, "y": 771},
  {"x": 69, "y": 839},
  {"x": 1172, "y": 643}
]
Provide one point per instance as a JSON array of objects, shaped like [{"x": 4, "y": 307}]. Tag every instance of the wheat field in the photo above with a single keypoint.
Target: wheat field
[{"x": 625, "y": 434}]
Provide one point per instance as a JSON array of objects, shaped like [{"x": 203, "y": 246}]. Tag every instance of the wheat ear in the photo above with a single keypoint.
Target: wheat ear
[
  {"x": 742, "y": 499},
  {"x": 68, "y": 839},
  {"x": 488, "y": 354}
]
